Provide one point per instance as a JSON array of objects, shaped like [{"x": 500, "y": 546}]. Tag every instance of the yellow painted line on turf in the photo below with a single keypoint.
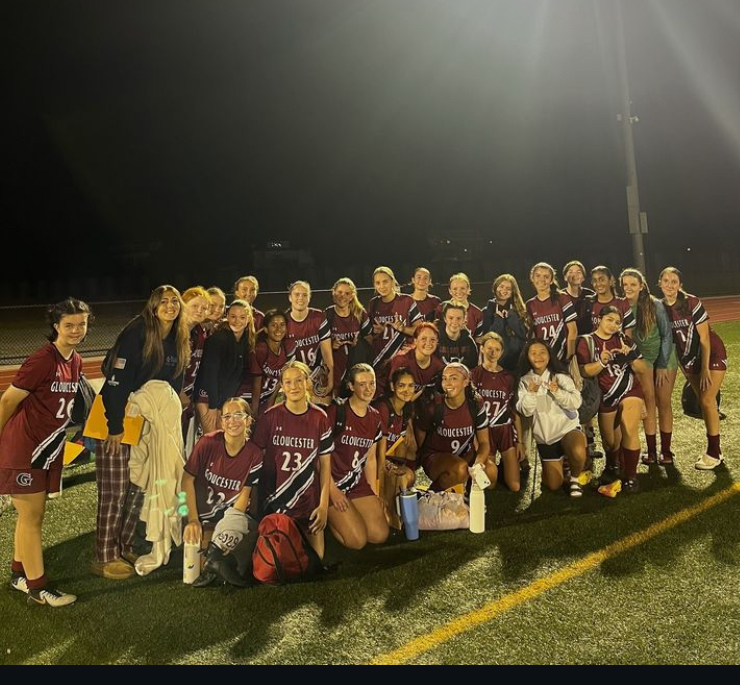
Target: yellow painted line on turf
[{"x": 487, "y": 613}]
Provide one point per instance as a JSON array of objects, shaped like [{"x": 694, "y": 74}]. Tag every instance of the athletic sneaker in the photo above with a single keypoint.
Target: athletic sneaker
[
  {"x": 649, "y": 458},
  {"x": 631, "y": 485},
  {"x": 18, "y": 582},
  {"x": 707, "y": 463},
  {"x": 666, "y": 459},
  {"x": 50, "y": 596},
  {"x": 574, "y": 489},
  {"x": 612, "y": 489},
  {"x": 609, "y": 474}
]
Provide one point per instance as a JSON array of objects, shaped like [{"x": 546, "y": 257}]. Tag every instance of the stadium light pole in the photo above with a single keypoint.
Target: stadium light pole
[{"x": 637, "y": 220}]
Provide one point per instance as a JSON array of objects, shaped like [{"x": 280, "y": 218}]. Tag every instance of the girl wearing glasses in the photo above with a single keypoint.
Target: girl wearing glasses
[{"x": 221, "y": 465}]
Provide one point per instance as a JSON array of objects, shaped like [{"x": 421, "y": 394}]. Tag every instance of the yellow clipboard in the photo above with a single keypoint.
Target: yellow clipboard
[
  {"x": 72, "y": 450},
  {"x": 97, "y": 425},
  {"x": 392, "y": 449}
]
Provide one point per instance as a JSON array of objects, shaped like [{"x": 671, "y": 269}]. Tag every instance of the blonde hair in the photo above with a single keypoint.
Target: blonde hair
[
  {"x": 195, "y": 291},
  {"x": 460, "y": 276},
  {"x": 223, "y": 325},
  {"x": 491, "y": 335},
  {"x": 355, "y": 306},
  {"x": 305, "y": 372},
  {"x": 301, "y": 284},
  {"x": 251, "y": 279},
  {"x": 388, "y": 272}
]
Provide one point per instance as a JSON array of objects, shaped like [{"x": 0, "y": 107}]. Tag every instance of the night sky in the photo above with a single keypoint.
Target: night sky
[{"x": 192, "y": 131}]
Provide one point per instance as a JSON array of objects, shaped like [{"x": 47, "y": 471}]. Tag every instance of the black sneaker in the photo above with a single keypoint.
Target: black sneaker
[
  {"x": 205, "y": 579},
  {"x": 609, "y": 474},
  {"x": 51, "y": 597},
  {"x": 631, "y": 485}
]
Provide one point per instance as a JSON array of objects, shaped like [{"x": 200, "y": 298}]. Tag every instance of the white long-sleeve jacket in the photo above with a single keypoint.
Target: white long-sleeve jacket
[{"x": 553, "y": 414}]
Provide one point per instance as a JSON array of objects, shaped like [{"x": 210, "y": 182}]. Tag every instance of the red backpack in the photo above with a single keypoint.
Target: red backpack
[{"x": 282, "y": 553}]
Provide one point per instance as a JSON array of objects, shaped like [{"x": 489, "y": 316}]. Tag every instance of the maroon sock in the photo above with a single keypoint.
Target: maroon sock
[
  {"x": 665, "y": 442},
  {"x": 713, "y": 449},
  {"x": 631, "y": 459},
  {"x": 652, "y": 447},
  {"x": 621, "y": 459},
  {"x": 17, "y": 568},
  {"x": 37, "y": 583},
  {"x": 612, "y": 459}
]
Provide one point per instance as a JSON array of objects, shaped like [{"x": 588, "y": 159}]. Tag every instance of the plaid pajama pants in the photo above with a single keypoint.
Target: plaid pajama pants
[{"x": 119, "y": 504}]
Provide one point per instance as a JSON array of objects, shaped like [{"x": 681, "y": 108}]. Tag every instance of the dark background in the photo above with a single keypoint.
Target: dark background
[{"x": 150, "y": 142}]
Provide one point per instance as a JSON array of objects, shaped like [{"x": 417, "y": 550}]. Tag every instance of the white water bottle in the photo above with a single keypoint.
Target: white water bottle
[
  {"x": 190, "y": 562},
  {"x": 477, "y": 509}
]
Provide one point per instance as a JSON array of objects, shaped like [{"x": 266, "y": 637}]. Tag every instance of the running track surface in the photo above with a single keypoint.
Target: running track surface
[{"x": 721, "y": 310}]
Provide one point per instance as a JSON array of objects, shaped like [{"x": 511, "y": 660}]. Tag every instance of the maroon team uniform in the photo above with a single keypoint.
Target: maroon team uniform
[
  {"x": 292, "y": 444},
  {"x": 197, "y": 340},
  {"x": 265, "y": 363},
  {"x": 686, "y": 337},
  {"x": 454, "y": 434},
  {"x": 428, "y": 307},
  {"x": 498, "y": 391},
  {"x": 306, "y": 336},
  {"x": 628, "y": 318},
  {"x": 390, "y": 341},
  {"x": 219, "y": 478},
  {"x": 394, "y": 425},
  {"x": 424, "y": 379},
  {"x": 32, "y": 442},
  {"x": 351, "y": 446},
  {"x": 474, "y": 321},
  {"x": 259, "y": 319},
  {"x": 550, "y": 321},
  {"x": 617, "y": 380},
  {"x": 345, "y": 329}
]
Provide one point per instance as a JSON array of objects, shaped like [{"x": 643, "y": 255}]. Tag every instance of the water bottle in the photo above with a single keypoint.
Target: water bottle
[
  {"x": 408, "y": 506},
  {"x": 477, "y": 509},
  {"x": 190, "y": 562}
]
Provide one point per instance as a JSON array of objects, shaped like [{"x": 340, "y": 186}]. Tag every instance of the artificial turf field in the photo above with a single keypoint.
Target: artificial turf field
[{"x": 646, "y": 578}]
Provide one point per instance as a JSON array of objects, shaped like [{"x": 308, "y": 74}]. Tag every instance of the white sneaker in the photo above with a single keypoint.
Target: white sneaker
[
  {"x": 50, "y": 596},
  {"x": 19, "y": 583},
  {"x": 707, "y": 463}
]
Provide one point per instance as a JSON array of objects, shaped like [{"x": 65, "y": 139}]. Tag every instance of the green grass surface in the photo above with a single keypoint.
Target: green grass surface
[{"x": 673, "y": 599}]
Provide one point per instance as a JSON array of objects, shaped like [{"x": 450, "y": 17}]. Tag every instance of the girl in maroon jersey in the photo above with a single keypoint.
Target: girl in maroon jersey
[
  {"x": 422, "y": 361},
  {"x": 349, "y": 322},
  {"x": 613, "y": 358},
  {"x": 399, "y": 443},
  {"x": 221, "y": 464},
  {"x": 506, "y": 315},
  {"x": 654, "y": 340},
  {"x": 216, "y": 307},
  {"x": 552, "y": 317},
  {"x": 394, "y": 317},
  {"x": 497, "y": 388},
  {"x": 548, "y": 396},
  {"x": 702, "y": 356},
  {"x": 605, "y": 287},
  {"x": 297, "y": 439},
  {"x": 225, "y": 359},
  {"x": 196, "y": 312},
  {"x": 271, "y": 353},
  {"x": 309, "y": 332},
  {"x": 356, "y": 514},
  {"x": 460, "y": 290},
  {"x": 246, "y": 288},
  {"x": 453, "y": 433},
  {"x": 34, "y": 412},
  {"x": 425, "y": 303}
]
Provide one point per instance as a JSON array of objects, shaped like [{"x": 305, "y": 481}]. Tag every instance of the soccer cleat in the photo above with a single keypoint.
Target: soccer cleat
[
  {"x": 574, "y": 489},
  {"x": 19, "y": 582},
  {"x": 707, "y": 463},
  {"x": 631, "y": 485},
  {"x": 205, "y": 579},
  {"x": 609, "y": 474},
  {"x": 50, "y": 597},
  {"x": 585, "y": 477},
  {"x": 666, "y": 459},
  {"x": 649, "y": 458},
  {"x": 611, "y": 489}
]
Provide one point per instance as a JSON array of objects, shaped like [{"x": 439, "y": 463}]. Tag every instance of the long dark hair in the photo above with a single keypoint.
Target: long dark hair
[
  {"x": 269, "y": 316},
  {"x": 554, "y": 365},
  {"x": 554, "y": 285},
  {"x": 682, "y": 302},
  {"x": 646, "y": 315},
  {"x": 67, "y": 307},
  {"x": 601, "y": 269}
]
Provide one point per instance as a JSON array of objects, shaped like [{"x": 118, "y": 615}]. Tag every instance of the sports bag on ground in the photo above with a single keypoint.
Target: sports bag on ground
[{"x": 282, "y": 553}]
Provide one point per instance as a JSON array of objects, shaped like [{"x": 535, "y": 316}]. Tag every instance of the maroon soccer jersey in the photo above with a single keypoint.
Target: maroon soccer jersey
[
  {"x": 424, "y": 379},
  {"x": 345, "y": 329},
  {"x": 550, "y": 321},
  {"x": 259, "y": 319},
  {"x": 474, "y": 320},
  {"x": 428, "y": 307},
  {"x": 34, "y": 436},
  {"x": 455, "y": 432},
  {"x": 292, "y": 443},
  {"x": 219, "y": 478},
  {"x": 390, "y": 341},
  {"x": 628, "y": 318},
  {"x": 351, "y": 446},
  {"x": 306, "y": 336},
  {"x": 683, "y": 325},
  {"x": 498, "y": 393},
  {"x": 197, "y": 341},
  {"x": 394, "y": 425},
  {"x": 267, "y": 364},
  {"x": 616, "y": 380}
]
